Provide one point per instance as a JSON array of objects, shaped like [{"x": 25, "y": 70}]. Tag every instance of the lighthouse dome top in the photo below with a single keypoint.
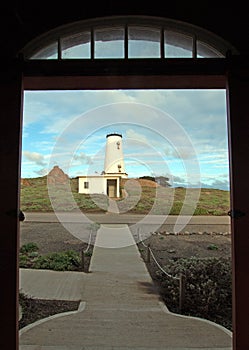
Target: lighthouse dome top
[{"x": 113, "y": 134}]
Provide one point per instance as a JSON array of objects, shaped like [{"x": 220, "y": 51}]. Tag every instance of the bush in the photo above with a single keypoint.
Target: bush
[
  {"x": 151, "y": 178},
  {"x": 29, "y": 248},
  {"x": 23, "y": 261},
  {"x": 59, "y": 261},
  {"x": 63, "y": 261},
  {"x": 28, "y": 253},
  {"x": 208, "y": 290}
]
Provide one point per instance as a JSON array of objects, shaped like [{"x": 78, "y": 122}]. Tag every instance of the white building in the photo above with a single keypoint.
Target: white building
[
  {"x": 102, "y": 184},
  {"x": 109, "y": 182}
]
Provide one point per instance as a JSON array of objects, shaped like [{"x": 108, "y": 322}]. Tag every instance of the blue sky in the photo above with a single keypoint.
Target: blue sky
[{"x": 181, "y": 134}]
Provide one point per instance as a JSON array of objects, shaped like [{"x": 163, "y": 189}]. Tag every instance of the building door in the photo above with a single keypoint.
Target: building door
[{"x": 112, "y": 188}]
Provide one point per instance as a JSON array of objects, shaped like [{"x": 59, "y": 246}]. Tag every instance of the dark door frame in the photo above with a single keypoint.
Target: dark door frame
[{"x": 229, "y": 74}]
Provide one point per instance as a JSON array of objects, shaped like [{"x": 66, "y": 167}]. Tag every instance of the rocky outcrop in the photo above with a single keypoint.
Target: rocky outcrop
[
  {"x": 25, "y": 182},
  {"x": 57, "y": 176}
]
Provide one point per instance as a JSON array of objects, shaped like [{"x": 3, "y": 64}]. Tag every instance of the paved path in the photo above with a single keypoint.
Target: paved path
[
  {"x": 123, "y": 218},
  {"x": 76, "y": 221},
  {"x": 122, "y": 309},
  {"x": 44, "y": 284}
]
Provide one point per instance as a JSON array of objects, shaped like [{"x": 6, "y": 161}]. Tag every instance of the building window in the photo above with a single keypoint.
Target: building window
[
  {"x": 143, "y": 42},
  {"x": 109, "y": 42},
  {"x": 178, "y": 45},
  {"x": 86, "y": 184},
  {"x": 127, "y": 38},
  {"x": 76, "y": 45}
]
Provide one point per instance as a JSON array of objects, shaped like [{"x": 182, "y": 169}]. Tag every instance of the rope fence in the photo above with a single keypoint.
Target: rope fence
[
  {"x": 181, "y": 278},
  {"x": 89, "y": 242},
  {"x": 83, "y": 252}
]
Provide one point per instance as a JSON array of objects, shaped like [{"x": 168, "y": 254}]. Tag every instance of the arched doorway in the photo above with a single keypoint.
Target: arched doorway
[{"x": 130, "y": 73}]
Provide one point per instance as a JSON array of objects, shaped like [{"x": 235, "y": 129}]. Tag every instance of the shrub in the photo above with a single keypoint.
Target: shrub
[
  {"x": 59, "y": 261},
  {"x": 63, "y": 261},
  {"x": 29, "y": 248},
  {"x": 88, "y": 254},
  {"x": 23, "y": 261},
  {"x": 28, "y": 253},
  {"x": 151, "y": 178},
  {"x": 208, "y": 290}
]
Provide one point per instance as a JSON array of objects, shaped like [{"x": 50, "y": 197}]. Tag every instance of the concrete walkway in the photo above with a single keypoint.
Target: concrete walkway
[{"x": 122, "y": 309}]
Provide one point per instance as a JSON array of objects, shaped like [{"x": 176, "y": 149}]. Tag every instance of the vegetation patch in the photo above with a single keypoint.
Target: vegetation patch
[
  {"x": 62, "y": 261},
  {"x": 205, "y": 260},
  {"x": 35, "y": 197},
  {"x": 154, "y": 198},
  {"x": 208, "y": 288},
  {"x": 70, "y": 260},
  {"x": 160, "y": 200}
]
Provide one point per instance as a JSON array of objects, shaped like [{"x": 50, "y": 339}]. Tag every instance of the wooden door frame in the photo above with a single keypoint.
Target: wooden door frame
[{"x": 224, "y": 73}]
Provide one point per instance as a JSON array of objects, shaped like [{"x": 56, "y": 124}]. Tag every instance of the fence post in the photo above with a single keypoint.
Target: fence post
[
  {"x": 148, "y": 253},
  {"x": 182, "y": 282},
  {"x": 83, "y": 260}
]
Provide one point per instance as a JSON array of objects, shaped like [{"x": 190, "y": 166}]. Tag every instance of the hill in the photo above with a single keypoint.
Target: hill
[
  {"x": 153, "y": 198},
  {"x": 36, "y": 198},
  {"x": 142, "y": 182}
]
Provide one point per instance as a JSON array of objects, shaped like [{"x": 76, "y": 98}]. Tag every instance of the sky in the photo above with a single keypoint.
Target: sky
[{"x": 180, "y": 134}]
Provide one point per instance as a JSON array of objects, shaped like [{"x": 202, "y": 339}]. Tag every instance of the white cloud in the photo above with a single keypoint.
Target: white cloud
[
  {"x": 82, "y": 158},
  {"x": 42, "y": 171},
  {"x": 34, "y": 157},
  {"x": 136, "y": 136},
  {"x": 218, "y": 184}
]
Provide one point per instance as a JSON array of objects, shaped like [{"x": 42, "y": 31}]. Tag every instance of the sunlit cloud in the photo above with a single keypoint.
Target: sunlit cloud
[{"x": 35, "y": 157}]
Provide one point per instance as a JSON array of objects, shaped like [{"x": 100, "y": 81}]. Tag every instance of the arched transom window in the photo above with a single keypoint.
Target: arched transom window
[{"x": 127, "y": 38}]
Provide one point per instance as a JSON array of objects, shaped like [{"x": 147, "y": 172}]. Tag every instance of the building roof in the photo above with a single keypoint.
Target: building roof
[
  {"x": 105, "y": 176},
  {"x": 113, "y": 134}
]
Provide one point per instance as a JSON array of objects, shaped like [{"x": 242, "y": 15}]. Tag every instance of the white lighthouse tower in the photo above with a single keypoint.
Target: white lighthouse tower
[
  {"x": 114, "y": 158},
  {"x": 109, "y": 182}
]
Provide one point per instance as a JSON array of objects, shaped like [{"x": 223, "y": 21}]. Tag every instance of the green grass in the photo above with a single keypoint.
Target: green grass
[
  {"x": 170, "y": 201},
  {"x": 214, "y": 202},
  {"x": 35, "y": 197}
]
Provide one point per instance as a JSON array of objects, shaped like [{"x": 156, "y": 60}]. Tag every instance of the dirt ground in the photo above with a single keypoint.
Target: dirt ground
[
  {"x": 53, "y": 237},
  {"x": 166, "y": 247},
  {"x": 36, "y": 309}
]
